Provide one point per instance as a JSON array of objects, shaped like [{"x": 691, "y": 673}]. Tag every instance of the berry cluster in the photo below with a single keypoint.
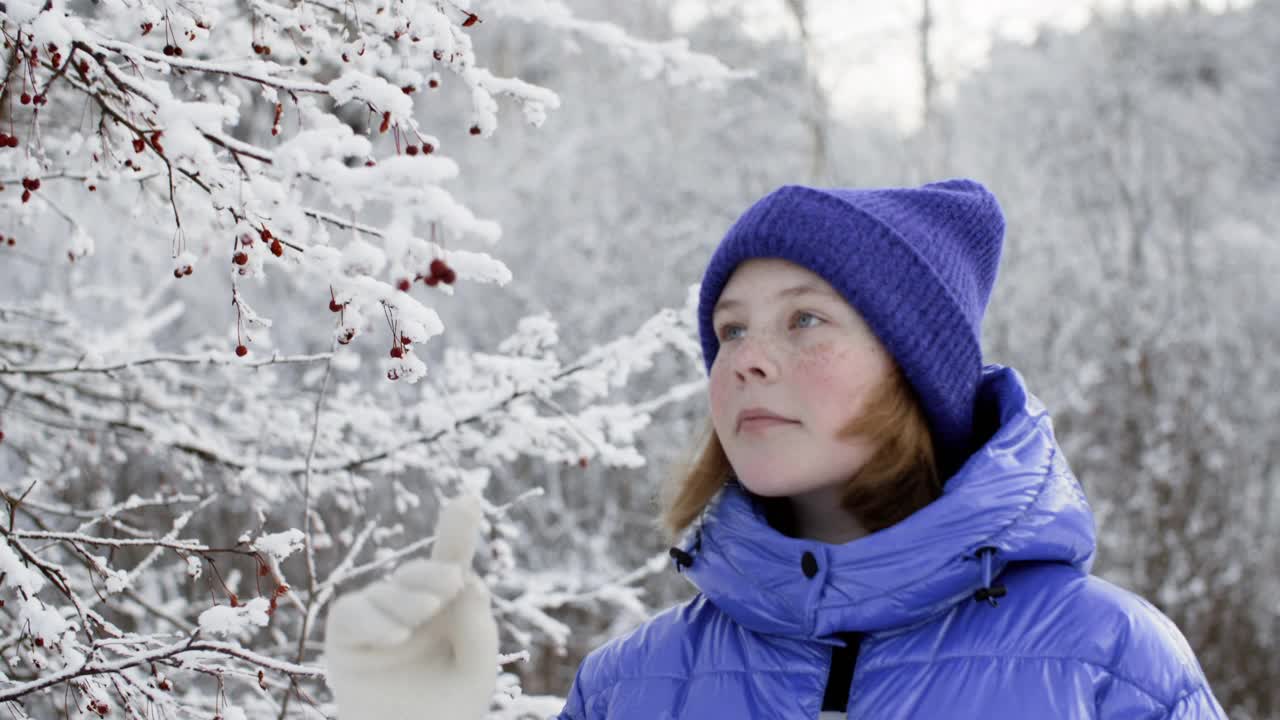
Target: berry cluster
[
  {"x": 100, "y": 707},
  {"x": 398, "y": 350},
  {"x": 182, "y": 271},
  {"x": 346, "y": 334},
  {"x": 261, "y": 49},
  {"x": 29, "y": 185},
  {"x": 8, "y": 141},
  {"x": 440, "y": 272},
  {"x": 27, "y": 98},
  {"x": 277, "y": 248},
  {"x": 173, "y": 50},
  {"x": 426, "y": 149}
]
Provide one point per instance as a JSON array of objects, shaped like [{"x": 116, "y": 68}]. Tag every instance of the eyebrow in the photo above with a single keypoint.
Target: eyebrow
[{"x": 798, "y": 290}]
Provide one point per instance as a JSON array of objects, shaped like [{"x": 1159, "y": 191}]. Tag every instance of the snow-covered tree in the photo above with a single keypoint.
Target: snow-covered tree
[{"x": 188, "y": 487}]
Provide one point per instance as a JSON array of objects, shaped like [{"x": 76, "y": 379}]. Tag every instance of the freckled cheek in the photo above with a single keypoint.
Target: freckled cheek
[
  {"x": 828, "y": 377},
  {"x": 818, "y": 366}
]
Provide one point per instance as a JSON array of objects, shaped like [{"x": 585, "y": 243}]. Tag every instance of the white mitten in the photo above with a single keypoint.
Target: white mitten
[{"x": 421, "y": 643}]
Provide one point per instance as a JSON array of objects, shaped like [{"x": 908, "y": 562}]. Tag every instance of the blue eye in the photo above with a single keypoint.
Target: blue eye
[
  {"x": 808, "y": 315},
  {"x": 726, "y": 330}
]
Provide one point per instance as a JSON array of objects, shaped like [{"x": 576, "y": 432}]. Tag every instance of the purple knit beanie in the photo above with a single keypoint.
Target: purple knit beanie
[{"x": 916, "y": 263}]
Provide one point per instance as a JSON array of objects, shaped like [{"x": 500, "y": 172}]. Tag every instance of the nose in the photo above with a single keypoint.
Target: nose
[{"x": 754, "y": 358}]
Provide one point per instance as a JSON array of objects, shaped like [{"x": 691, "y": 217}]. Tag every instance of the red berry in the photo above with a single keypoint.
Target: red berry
[
  {"x": 471, "y": 20},
  {"x": 26, "y": 195},
  {"x": 347, "y": 335},
  {"x": 177, "y": 272},
  {"x": 93, "y": 188},
  {"x": 177, "y": 50},
  {"x": 408, "y": 89},
  {"x": 164, "y": 684},
  {"x": 404, "y": 284},
  {"x": 449, "y": 277},
  {"x": 13, "y": 141},
  {"x": 235, "y": 601},
  {"x": 187, "y": 270},
  {"x": 35, "y": 183},
  {"x": 139, "y": 145},
  {"x": 428, "y": 148},
  {"x": 432, "y": 281},
  {"x": 334, "y": 306},
  {"x": 265, "y": 234},
  {"x": 168, "y": 50},
  {"x": 39, "y": 641},
  {"x": 25, "y": 98},
  {"x": 438, "y": 267},
  {"x": 369, "y": 163},
  {"x": 582, "y": 462},
  {"x": 433, "y": 83},
  {"x": 475, "y": 129},
  {"x": 412, "y": 150},
  {"x": 241, "y": 351},
  {"x": 405, "y": 341},
  {"x": 392, "y": 374},
  {"x": 240, "y": 258},
  {"x": 396, "y": 352}
]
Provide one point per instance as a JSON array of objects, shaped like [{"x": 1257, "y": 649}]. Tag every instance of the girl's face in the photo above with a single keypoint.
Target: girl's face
[{"x": 791, "y": 346}]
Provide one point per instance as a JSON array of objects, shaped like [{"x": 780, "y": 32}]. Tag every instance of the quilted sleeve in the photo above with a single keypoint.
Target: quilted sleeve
[{"x": 1198, "y": 705}]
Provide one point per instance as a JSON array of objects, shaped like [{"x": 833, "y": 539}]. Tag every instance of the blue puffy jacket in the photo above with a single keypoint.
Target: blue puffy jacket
[{"x": 980, "y": 605}]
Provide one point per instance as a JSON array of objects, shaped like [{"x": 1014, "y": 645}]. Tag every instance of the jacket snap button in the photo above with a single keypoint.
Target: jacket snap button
[{"x": 809, "y": 564}]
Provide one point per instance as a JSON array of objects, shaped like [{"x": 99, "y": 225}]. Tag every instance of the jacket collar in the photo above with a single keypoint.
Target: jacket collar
[{"x": 1015, "y": 494}]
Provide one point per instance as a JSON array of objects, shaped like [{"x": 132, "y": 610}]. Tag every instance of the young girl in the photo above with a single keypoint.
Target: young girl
[{"x": 878, "y": 525}]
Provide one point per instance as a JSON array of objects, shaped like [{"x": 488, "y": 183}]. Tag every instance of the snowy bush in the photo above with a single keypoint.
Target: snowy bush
[{"x": 186, "y": 491}]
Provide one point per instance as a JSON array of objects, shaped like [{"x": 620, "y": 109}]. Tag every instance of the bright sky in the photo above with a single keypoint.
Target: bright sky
[{"x": 869, "y": 50}]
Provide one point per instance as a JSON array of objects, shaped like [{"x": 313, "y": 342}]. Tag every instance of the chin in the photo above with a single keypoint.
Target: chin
[{"x": 775, "y": 487}]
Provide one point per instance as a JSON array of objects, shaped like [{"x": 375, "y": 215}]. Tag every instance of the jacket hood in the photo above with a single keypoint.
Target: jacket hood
[{"x": 1015, "y": 495}]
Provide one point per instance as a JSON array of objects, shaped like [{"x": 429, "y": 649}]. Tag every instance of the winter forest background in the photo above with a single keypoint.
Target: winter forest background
[{"x": 177, "y": 517}]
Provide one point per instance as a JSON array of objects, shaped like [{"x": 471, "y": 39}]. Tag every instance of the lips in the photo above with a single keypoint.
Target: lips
[{"x": 760, "y": 417}]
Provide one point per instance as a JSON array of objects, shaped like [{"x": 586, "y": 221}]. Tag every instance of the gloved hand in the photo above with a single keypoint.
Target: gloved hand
[{"x": 421, "y": 643}]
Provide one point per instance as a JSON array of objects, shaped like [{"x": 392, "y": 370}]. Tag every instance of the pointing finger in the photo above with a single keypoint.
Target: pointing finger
[{"x": 458, "y": 525}]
